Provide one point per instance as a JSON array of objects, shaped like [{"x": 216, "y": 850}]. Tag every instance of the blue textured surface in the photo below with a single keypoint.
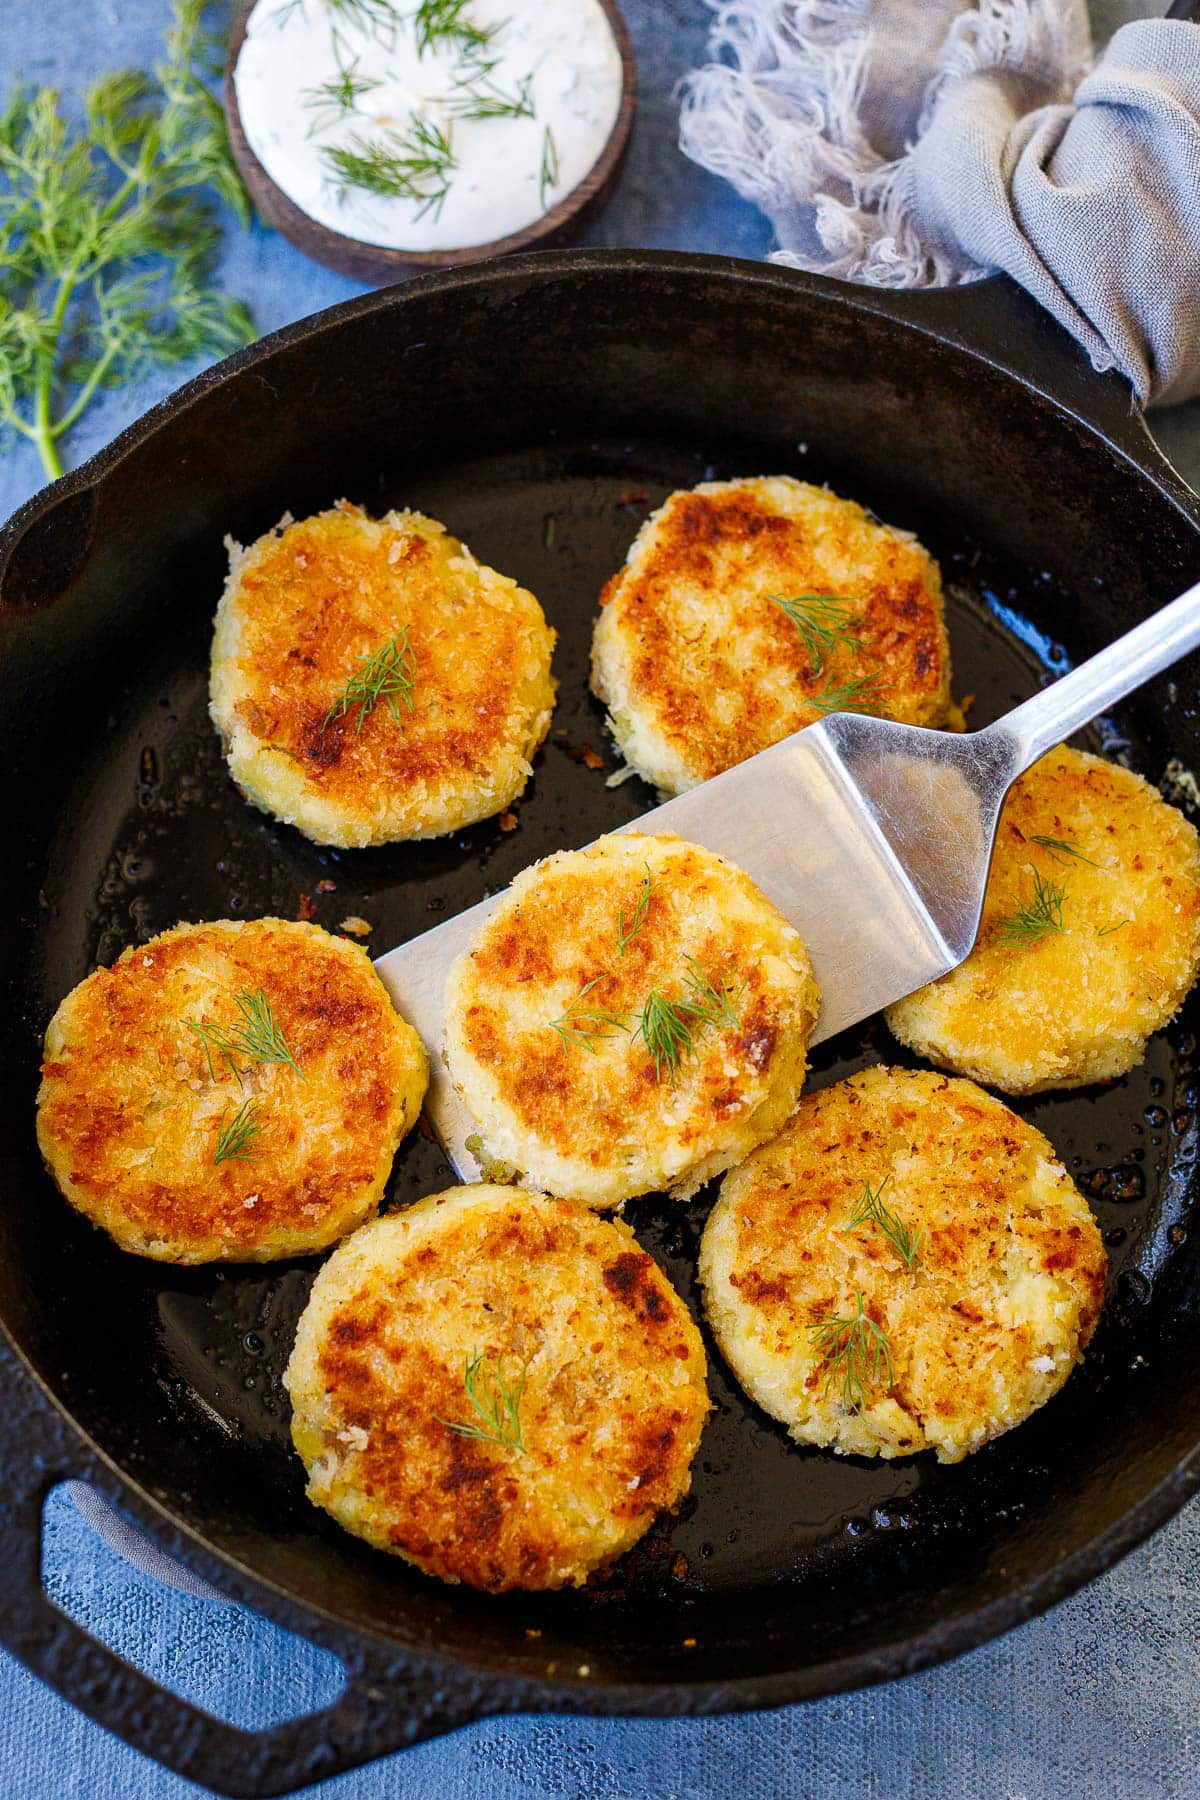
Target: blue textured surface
[{"x": 1099, "y": 1698}]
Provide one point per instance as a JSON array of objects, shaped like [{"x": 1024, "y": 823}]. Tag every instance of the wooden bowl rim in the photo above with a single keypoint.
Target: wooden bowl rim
[{"x": 296, "y": 224}]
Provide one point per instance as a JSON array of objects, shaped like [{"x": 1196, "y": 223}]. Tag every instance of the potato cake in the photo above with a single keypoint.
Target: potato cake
[
  {"x": 230, "y": 1092},
  {"x": 371, "y": 681},
  {"x": 501, "y": 1387},
  {"x": 906, "y": 1267},
  {"x": 1090, "y": 936},
  {"x": 632, "y": 1017},
  {"x": 747, "y": 609}
]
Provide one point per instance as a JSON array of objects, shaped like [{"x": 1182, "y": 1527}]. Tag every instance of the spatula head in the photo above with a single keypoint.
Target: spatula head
[{"x": 872, "y": 838}]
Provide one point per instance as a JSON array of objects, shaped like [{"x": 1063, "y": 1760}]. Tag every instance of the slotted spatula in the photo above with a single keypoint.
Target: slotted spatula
[{"x": 874, "y": 839}]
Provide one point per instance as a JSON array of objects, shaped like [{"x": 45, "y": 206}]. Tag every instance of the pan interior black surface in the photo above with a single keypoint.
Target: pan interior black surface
[{"x": 780, "y": 1557}]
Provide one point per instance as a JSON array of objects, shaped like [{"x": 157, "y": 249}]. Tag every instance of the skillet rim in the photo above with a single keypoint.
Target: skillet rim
[
  {"x": 968, "y": 319},
  {"x": 956, "y": 318}
]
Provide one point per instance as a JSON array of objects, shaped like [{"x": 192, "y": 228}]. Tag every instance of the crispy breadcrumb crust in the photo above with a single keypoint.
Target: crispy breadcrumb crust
[
  {"x": 986, "y": 1326},
  {"x": 1076, "y": 1005},
  {"x": 699, "y": 669},
  {"x": 597, "y": 1120},
  {"x": 305, "y": 606},
  {"x": 610, "y": 1414},
  {"x": 129, "y": 1115}
]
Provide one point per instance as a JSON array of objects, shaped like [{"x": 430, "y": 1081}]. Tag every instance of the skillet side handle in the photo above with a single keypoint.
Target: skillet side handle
[
  {"x": 389, "y": 1702},
  {"x": 46, "y": 544}
]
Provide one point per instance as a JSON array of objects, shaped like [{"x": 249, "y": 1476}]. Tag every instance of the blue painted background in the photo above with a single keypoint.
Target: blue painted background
[{"x": 1101, "y": 1697}]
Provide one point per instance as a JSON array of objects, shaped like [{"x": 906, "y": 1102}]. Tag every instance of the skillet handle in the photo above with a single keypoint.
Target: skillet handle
[{"x": 390, "y": 1701}]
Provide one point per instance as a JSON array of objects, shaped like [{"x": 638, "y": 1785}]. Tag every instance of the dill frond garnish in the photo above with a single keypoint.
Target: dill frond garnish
[
  {"x": 416, "y": 165},
  {"x": 1107, "y": 930},
  {"x": 587, "y": 1025},
  {"x": 864, "y": 695},
  {"x": 1034, "y": 918},
  {"x": 825, "y": 623},
  {"x": 627, "y": 933},
  {"x": 669, "y": 1028},
  {"x": 108, "y": 237},
  {"x": 668, "y": 1032},
  {"x": 495, "y": 1402},
  {"x": 336, "y": 98},
  {"x": 1060, "y": 847},
  {"x": 237, "y": 1135},
  {"x": 710, "y": 1005},
  {"x": 257, "y": 1037},
  {"x": 444, "y": 22},
  {"x": 479, "y": 100},
  {"x": 854, "y": 1350},
  {"x": 380, "y": 17},
  {"x": 389, "y": 675},
  {"x": 548, "y": 173},
  {"x": 871, "y": 1209}
]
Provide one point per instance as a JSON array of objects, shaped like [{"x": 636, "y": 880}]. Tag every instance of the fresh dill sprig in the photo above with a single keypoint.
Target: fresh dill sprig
[
  {"x": 1034, "y": 918},
  {"x": 479, "y": 100},
  {"x": 825, "y": 623},
  {"x": 414, "y": 166},
  {"x": 548, "y": 174},
  {"x": 389, "y": 675},
  {"x": 668, "y": 1032},
  {"x": 108, "y": 237},
  {"x": 587, "y": 1025},
  {"x": 495, "y": 1402},
  {"x": 237, "y": 1135},
  {"x": 257, "y": 1037},
  {"x": 1107, "y": 930},
  {"x": 863, "y": 695},
  {"x": 871, "y": 1209},
  {"x": 669, "y": 1028},
  {"x": 710, "y": 1005},
  {"x": 627, "y": 933},
  {"x": 336, "y": 98},
  {"x": 856, "y": 1350},
  {"x": 444, "y": 22},
  {"x": 1055, "y": 845}
]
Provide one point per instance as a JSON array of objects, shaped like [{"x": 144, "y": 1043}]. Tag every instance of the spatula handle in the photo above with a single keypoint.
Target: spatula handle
[{"x": 1075, "y": 699}]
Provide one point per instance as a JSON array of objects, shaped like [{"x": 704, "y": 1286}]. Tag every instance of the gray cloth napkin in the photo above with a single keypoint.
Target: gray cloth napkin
[
  {"x": 911, "y": 143},
  {"x": 115, "y": 1530}
]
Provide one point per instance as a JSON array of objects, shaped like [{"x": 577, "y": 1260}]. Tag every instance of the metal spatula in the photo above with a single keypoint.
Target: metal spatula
[{"x": 874, "y": 839}]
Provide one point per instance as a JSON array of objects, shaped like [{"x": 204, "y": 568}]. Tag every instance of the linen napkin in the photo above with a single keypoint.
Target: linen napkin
[{"x": 912, "y": 143}]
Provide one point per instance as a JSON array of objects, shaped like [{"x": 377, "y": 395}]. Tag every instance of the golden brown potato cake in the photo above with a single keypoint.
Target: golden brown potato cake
[
  {"x": 503, "y": 1388},
  {"x": 906, "y": 1267},
  {"x": 633, "y": 1016},
  {"x": 1090, "y": 936},
  {"x": 373, "y": 682},
  {"x": 230, "y": 1092},
  {"x": 700, "y": 665}
]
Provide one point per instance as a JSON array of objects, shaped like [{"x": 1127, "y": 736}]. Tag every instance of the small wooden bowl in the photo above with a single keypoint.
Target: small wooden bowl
[{"x": 371, "y": 262}]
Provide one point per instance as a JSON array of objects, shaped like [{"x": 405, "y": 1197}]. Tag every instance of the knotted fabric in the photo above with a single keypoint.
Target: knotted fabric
[{"x": 914, "y": 143}]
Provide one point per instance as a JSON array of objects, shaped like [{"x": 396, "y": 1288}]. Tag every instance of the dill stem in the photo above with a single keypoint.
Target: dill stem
[
  {"x": 79, "y": 404},
  {"x": 45, "y": 433}
]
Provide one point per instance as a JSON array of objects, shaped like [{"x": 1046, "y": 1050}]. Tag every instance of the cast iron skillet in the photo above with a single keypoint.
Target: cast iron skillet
[{"x": 541, "y": 407}]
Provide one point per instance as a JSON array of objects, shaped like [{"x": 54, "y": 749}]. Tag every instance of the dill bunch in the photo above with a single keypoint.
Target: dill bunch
[{"x": 108, "y": 232}]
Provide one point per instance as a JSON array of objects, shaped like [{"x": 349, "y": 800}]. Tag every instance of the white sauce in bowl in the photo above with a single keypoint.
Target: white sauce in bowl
[{"x": 505, "y": 172}]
